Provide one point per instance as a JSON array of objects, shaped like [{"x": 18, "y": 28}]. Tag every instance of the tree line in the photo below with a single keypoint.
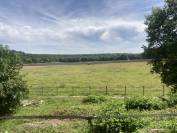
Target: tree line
[{"x": 47, "y": 58}]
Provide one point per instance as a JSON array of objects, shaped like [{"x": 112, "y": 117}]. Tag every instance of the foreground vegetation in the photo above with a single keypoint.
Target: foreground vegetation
[{"x": 110, "y": 112}]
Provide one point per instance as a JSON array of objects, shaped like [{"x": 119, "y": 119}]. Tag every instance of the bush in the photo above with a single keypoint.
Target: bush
[
  {"x": 172, "y": 100},
  {"x": 144, "y": 103},
  {"x": 94, "y": 99},
  {"x": 113, "y": 119},
  {"x": 12, "y": 87}
]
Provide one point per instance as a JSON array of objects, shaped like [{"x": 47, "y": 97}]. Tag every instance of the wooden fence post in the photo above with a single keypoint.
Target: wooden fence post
[
  {"x": 163, "y": 90},
  {"x": 106, "y": 90},
  {"x": 89, "y": 90},
  {"x": 73, "y": 91},
  {"x": 125, "y": 93},
  {"x": 42, "y": 91},
  {"x": 143, "y": 90}
]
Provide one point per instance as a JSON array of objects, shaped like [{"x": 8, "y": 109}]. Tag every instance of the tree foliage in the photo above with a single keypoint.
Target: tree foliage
[
  {"x": 162, "y": 42},
  {"x": 47, "y": 58},
  {"x": 12, "y": 87}
]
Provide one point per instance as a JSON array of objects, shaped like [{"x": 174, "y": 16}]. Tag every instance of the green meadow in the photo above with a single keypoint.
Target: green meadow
[{"x": 94, "y": 79}]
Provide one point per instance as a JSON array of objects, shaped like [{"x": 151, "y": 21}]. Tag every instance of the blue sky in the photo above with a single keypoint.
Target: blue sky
[{"x": 75, "y": 26}]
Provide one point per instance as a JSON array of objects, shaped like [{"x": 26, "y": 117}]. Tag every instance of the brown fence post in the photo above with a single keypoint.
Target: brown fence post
[
  {"x": 163, "y": 90},
  {"x": 143, "y": 90},
  {"x": 73, "y": 91},
  {"x": 89, "y": 90},
  {"x": 106, "y": 90},
  {"x": 125, "y": 93},
  {"x": 42, "y": 91}
]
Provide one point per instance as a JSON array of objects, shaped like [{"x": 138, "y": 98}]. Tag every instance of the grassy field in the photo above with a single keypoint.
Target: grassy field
[
  {"x": 85, "y": 79},
  {"x": 60, "y": 80}
]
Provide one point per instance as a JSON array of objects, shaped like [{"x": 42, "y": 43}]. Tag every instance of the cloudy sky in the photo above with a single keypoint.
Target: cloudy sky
[{"x": 74, "y": 26}]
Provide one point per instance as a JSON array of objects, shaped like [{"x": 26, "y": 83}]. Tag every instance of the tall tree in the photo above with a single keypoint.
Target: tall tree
[{"x": 162, "y": 42}]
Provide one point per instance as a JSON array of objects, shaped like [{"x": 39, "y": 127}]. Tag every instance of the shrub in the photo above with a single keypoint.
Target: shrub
[
  {"x": 162, "y": 125},
  {"x": 113, "y": 119},
  {"x": 172, "y": 100},
  {"x": 12, "y": 87},
  {"x": 94, "y": 99},
  {"x": 144, "y": 103}
]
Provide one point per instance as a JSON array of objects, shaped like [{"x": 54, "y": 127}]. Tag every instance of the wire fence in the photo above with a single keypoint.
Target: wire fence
[{"x": 36, "y": 90}]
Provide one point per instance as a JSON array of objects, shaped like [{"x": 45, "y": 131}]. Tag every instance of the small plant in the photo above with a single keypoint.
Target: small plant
[
  {"x": 94, "y": 99},
  {"x": 113, "y": 119},
  {"x": 144, "y": 103}
]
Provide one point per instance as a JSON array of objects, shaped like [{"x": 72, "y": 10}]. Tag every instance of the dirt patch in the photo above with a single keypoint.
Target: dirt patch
[
  {"x": 33, "y": 67},
  {"x": 43, "y": 123}
]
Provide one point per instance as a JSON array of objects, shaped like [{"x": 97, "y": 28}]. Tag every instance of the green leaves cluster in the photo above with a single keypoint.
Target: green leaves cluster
[
  {"x": 12, "y": 87},
  {"x": 113, "y": 119},
  {"x": 145, "y": 103}
]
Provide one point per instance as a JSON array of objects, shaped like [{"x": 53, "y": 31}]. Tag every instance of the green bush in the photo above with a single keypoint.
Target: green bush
[
  {"x": 172, "y": 100},
  {"x": 144, "y": 103},
  {"x": 12, "y": 87},
  {"x": 113, "y": 119},
  {"x": 94, "y": 99},
  {"x": 165, "y": 125}
]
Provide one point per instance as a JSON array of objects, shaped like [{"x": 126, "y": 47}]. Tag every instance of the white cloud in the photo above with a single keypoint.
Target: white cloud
[
  {"x": 76, "y": 32},
  {"x": 67, "y": 28}
]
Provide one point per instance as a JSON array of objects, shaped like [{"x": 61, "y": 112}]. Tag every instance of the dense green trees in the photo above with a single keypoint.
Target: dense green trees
[
  {"x": 12, "y": 87},
  {"x": 46, "y": 58},
  {"x": 162, "y": 42}
]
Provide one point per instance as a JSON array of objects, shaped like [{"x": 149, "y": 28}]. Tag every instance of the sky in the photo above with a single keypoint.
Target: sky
[{"x": 75, "y": 26}]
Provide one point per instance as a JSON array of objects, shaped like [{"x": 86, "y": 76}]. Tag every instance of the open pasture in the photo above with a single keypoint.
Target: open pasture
[
  {"x": 98, "y": 79},
  {"x": 60, "y": 80}
]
